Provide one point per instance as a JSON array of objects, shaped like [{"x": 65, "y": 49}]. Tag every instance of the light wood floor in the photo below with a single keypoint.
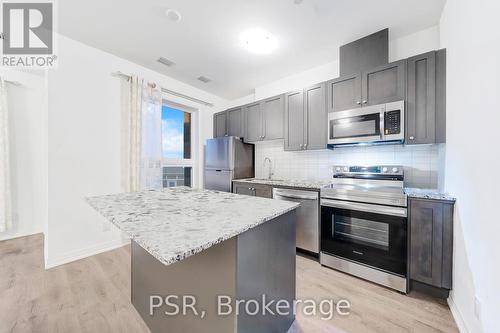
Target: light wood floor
[{"x": 92, "y": 295}]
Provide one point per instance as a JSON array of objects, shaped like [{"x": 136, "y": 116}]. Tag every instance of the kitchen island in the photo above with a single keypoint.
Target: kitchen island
[{"x": 212, "y": 248}]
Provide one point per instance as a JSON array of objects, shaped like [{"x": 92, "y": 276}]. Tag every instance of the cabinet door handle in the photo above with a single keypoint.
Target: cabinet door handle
[
  {"x": 364, "y": 102},
  {"x": 358, "y": 102},
  {"x": 412, "y": 138}
]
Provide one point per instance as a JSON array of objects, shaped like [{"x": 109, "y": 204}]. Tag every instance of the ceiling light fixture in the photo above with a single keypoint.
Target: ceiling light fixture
[
  {"x": 173, "y": 15},
  {"x": 258, "y": 41}
]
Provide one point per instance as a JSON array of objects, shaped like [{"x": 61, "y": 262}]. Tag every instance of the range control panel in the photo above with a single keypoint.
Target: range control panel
[
  {"x": 373, "y": 170},
  {"x": 392, "y": 122}
]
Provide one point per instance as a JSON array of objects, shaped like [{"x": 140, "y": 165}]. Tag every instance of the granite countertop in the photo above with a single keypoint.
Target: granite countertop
[
  {"x": 176, "y": 223},
  {"x": 427, "y": 194},
  {"x": 306, "y": 184}
]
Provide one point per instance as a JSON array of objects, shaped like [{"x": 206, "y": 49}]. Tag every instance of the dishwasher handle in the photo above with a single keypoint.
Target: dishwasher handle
[{"x": 292, "y": 195}]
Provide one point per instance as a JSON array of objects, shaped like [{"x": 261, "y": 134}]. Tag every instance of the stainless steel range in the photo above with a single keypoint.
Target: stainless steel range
[{"x": 364, "y": 224}]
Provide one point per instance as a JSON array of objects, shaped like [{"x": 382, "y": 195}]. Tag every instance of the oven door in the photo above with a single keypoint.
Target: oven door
[
  {"x": 355, "y": 126},
  {"x": 373, "y": 235}
]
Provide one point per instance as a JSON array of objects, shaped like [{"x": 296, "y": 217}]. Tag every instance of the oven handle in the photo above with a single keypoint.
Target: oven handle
[{"x": 386, "y": 210}]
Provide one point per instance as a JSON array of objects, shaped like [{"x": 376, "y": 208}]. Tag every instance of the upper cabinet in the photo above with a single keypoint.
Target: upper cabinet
[
  {"x": 294, "y": 120},
  {"x": 316, "y": 116},
  {"x": 253, "y": 121},
  {"x": 344, "y": 93},
  {"x": 383, "y": 84},
  {"x": 264, "y": 119},
  {"x": 425, "y": 102},
  {"x": 306, "y": 118},
  {"x": 220, "y": 124},
  {"x": 229, "y": 123},
  {"x": 235, "y": 123},
  {"x": 272, "y": 116}
]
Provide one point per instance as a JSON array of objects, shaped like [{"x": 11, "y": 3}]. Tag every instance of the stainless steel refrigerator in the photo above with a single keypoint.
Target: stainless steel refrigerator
[{"x": 227, "y": 158}]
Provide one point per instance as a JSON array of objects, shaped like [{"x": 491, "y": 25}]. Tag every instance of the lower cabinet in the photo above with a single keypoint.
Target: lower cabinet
[
  {"x": 430, "y": 234},
  {"x": 256, "y": 190}
]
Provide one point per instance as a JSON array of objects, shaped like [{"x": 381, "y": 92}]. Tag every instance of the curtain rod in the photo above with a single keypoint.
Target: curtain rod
[{"x": 167, "y": 91}]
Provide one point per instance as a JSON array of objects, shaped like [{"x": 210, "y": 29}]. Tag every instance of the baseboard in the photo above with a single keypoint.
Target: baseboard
[
  {"x": 462, "y": 327},
  {"x": 8, "y": 236},
  {"x": 86, "y": 252}
]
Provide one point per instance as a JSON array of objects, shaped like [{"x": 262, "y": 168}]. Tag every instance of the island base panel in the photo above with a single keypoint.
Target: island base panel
[
  {"x": 257, "y": 262},
  {"x": 266, "y": 266}
]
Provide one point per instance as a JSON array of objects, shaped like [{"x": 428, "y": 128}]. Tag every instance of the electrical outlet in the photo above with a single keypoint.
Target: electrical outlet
[{"x": 477, "y": 308}]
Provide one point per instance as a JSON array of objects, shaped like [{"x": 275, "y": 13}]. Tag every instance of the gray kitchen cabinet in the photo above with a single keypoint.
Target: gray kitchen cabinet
[
  {"x": 294, "y": 120},
  {"x": 235, "y": 122},
  {"x": 220, "y": 124},
  {"x": 264, "y": 119},
  {"x": 263, "y": 191},
  {"x": 384, "y": 84},
  {"x": 272, "y": 117},
  {"x": 243, "y": 188},
  {"x": 425, "y": 103},
  {"x": 256, "y": 190},
  {"x": 306, "y": 118},
  {"x": 316, "y": 116},
  {"x": 344, "y": 93},
  {"x": 430, "y": 236},
  {"x": 253, "y": 120}
]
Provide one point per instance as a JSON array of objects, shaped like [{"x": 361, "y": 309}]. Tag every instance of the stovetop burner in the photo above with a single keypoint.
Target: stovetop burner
[{"x": 369, "y": 184}]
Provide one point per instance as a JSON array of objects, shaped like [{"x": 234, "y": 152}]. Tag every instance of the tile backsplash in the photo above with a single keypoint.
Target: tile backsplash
[{"x": 424, "y": 164}]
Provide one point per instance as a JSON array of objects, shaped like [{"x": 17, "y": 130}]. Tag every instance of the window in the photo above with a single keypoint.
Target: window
[{"x": 177, "y": 139}]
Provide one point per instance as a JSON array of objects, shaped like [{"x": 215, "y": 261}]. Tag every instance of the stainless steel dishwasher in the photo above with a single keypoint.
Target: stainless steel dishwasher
[{"x": 307, "y": 216}]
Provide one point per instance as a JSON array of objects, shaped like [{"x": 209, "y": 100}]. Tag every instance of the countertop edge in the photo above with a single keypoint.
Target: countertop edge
[
  {"x": 188, "y": 253},
  {"x": 291, "y": 184},
  {"x": 429, "y": 194}
]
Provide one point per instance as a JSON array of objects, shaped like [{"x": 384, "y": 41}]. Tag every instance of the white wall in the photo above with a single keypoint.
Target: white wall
[
  {"x": 27, "y": 147},
  {"x": 414, "y": 44},
  {"x": 84, "y": 145},
  {"x": 470, "y": 30}
]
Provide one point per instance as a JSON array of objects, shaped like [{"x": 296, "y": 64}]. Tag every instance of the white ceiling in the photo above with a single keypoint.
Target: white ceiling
[{"x": 206, "y": 41}]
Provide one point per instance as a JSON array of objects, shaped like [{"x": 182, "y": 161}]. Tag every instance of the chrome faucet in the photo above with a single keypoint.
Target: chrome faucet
[{"x": 270, "y": 173}]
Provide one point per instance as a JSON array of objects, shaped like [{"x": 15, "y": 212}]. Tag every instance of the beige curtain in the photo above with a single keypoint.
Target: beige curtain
[
  {"x": 5, "y": 195},
  {"x": 144, "y": 136}
]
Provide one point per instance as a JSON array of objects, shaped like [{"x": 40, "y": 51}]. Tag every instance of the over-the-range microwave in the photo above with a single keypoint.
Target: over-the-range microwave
[{"x": 383, "y": 123}]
